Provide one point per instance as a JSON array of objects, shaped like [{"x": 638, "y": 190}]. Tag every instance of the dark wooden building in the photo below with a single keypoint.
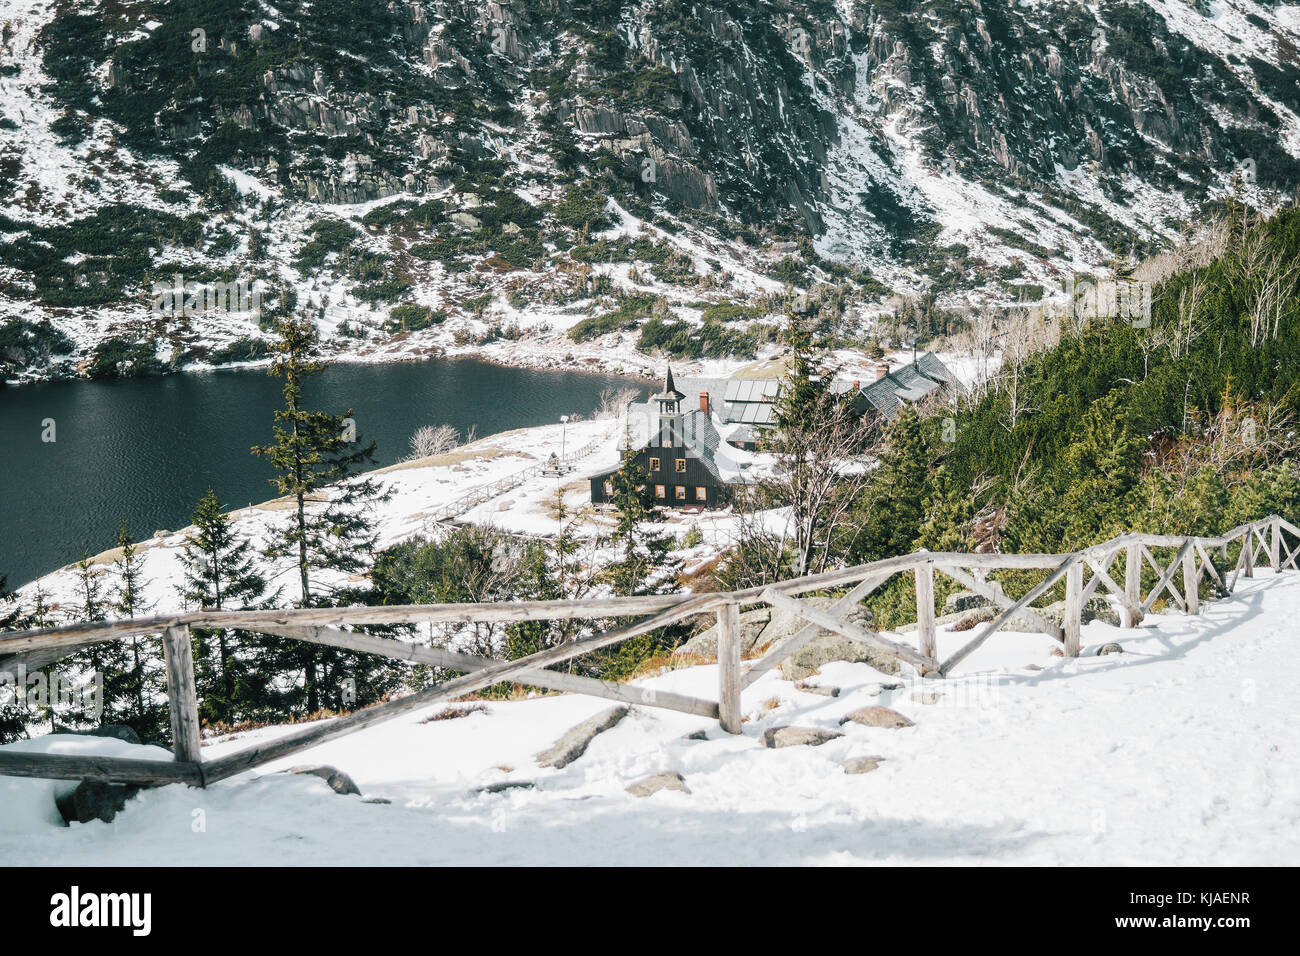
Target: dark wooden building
[{"x": 679, "y": 459}]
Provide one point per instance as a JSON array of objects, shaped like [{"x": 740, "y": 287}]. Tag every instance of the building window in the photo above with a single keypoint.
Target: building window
[
  {"x": 680, "y": 492},
  {"x": 681, "y": 464},
  {"x": 701, "y": 493},
  {"x": 654, "y": 464},
  {"x": 659, "y": 491},
  {"x": 609, "y": 487}
]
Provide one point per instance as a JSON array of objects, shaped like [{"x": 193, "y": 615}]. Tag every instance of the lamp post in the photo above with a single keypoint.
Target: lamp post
[{"x": 564, "y": 422}]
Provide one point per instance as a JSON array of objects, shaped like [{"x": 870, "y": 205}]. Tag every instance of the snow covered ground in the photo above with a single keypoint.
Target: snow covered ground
[
  {"x": 1182, "y": 750},
  {"x": 421, "y": 493}
]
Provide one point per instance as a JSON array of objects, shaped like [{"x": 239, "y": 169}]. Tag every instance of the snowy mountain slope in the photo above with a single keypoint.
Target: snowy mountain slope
[
  {"x": 507, "y": 171},
  {"x": 1181, "y": 750}
]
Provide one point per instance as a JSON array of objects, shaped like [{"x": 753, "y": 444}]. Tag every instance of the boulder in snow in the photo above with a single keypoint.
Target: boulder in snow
[
  {"x": 828, "y": 647},
  {"x": 338, "y": 781},
  {"x": 93, "y": 800},
  {"x": 115, "y": 731},
  {"x": 669, "y": 780},
  {"x": 501, "y": 786},
  {"x": 777, "y": 737},
  {"x": 1111, "y": 648},
  {"x": 862, "y": 764},
  {"x": 574, "y": 743},
  {"x": 818, "y": 689},
  {"x": 705, "y": 643},
  {"x": 877, "y": 716}
]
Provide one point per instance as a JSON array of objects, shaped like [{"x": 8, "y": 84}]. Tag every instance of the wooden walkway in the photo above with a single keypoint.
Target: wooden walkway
[{"x": 1179, "y": 567}]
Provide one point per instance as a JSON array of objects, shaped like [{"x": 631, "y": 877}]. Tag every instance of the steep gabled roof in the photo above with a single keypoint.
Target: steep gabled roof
[
  {"x": 908, "y": 384},
  {"x": 932, "y": 366},
  {"x": 694, "y": 431}
]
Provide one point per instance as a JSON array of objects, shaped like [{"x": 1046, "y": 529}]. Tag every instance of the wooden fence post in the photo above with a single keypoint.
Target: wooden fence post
[
  {"x": 1191, "y": 594},
  {"x": 1133, "y": 584},
  {"x": 925, "y": 608},
  {"x": 1275, "y": 547},
  {"x": 1248, "y": 542},
  {"x": 181, "y": 694},
  {"x": 1073, "y": 623},
  {"x": 729, "y": 668}
]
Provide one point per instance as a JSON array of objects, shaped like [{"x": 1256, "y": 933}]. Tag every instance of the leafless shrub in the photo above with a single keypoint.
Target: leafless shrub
[
  {"x": 434, "y": 440},
  {"x": 613, "y": 401},
  {"x": 1194, "y": 250}
]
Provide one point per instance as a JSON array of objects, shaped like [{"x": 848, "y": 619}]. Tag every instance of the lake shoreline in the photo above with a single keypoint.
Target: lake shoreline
[
  {"x": 598, "y": 362},
  {"x": 87, "y": 455}
]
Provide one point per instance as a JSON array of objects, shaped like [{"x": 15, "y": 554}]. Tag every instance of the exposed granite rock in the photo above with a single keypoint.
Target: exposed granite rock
[
  {"x": 668, "y": 780},
  {"x": 862, "y": 764},
  {"x": 877, "y": 716},
  {"x": 92, "y": 800},
  {"x": 338, "y": 781},
  {"x": 778, "y": 737},
  {"x": 574, "y": 743}
]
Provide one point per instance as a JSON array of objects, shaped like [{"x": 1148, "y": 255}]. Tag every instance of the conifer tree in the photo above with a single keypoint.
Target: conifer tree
[
  {"x": 220, "y": 573},
  {"x": 312, "y": 451},
  {"x": 41, "y": 614},
  {"x": 13, "y": 718},
  {"x": 134, "y": 690},
  {"x": 891, "y": 510},
  {"x": 644, "y": 567},
  {"x": 103, "y": 659},
  {"x": 10, "y": 610}
]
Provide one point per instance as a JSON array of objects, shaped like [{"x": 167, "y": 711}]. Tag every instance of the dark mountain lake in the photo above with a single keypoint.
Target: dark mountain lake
[{"x": 144, "y": 450}]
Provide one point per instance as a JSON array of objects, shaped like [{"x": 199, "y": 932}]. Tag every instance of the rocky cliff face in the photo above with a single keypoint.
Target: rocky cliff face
[{"x": 976, "y": 147}]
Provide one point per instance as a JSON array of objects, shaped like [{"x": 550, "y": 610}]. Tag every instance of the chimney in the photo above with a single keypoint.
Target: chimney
[
  {"x": 704, "y": 403},
  {"x": 882, "y": 369}
]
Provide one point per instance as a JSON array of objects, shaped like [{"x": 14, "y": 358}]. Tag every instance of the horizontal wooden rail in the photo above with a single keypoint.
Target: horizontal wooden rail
[
  {"x": 15, "y": 763},
  {"x": 333, "y": 626},
  {"x": 539, "y": 677}
]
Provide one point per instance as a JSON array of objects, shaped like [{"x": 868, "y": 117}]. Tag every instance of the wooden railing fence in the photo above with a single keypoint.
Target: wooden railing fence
[{"x": 1084, "y": 573}]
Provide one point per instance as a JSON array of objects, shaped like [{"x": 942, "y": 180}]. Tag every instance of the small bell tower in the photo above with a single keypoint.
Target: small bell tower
[{"x": 670, "y": 400}]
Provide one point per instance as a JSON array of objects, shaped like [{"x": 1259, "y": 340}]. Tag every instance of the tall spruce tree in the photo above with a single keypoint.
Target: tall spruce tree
[
  {"x": 13, "y": 718},
  {"x": 134, "y": 690},
  {"x": 10, "y": 609},
  {"x": 889, "y": 514},
  {"x": 314, "y": 450},
  {"x": 643, "y": 564},
  {"x": 644, "y": 567},
  {"x": 93, "y": 604},
  {"x": 219, "y": 573}
]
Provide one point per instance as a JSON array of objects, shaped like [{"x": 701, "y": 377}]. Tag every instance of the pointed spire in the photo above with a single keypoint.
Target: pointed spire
[{"x": 670, "y": 392}]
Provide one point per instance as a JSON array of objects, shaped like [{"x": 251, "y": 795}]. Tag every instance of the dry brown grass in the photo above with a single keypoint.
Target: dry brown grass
[
  {"x": 447, "y": 459},
  {"x": 222, "y": 729},
  {"x": 453, "y": 713},
  {"x": 651, "y": 666}
]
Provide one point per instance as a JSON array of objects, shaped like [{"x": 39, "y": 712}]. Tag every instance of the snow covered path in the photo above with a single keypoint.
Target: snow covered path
[{"x": 1182, "y": 750}]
